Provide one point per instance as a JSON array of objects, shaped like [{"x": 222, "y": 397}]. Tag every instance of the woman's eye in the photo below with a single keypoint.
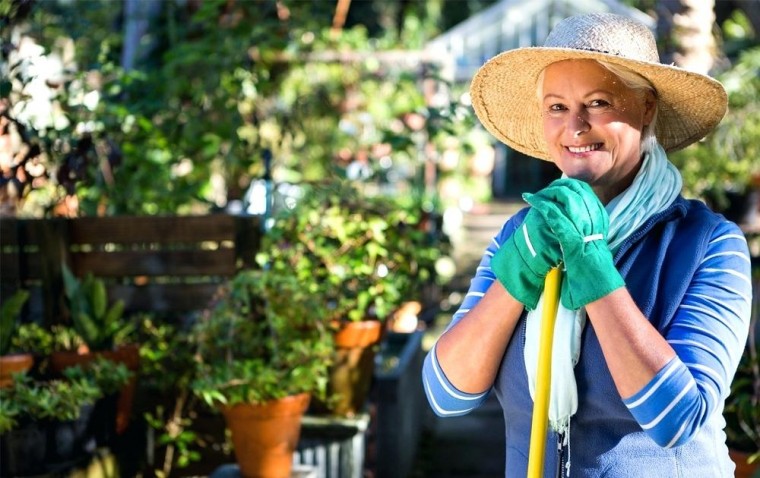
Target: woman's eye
[
  {"x": 556, "y": 107},
  {"x": 598, "y": 104}
]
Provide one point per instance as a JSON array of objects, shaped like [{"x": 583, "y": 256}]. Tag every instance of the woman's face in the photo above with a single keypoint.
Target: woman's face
[{"x": 593, "y": 124}]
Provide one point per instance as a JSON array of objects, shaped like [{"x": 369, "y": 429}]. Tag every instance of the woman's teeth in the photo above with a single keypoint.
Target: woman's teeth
[{"x": 584, "y": 149}]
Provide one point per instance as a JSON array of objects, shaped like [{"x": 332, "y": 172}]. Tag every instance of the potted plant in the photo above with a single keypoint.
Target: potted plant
[
  {"x": 742, "y": 409},
  {"x": 12, "y": 363},
  {"x": 49, "y": 425},
  {"x": 263, "y": 349},
  {"x": 359, "y": 254},
  {"x": 29, "y": 417},
  {"x": 104, "y": 332}
]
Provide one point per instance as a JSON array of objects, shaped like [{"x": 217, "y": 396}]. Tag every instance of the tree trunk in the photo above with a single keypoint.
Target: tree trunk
[
  {"x": 138, "y": 15},
  {"x": 685, "y": 29}
]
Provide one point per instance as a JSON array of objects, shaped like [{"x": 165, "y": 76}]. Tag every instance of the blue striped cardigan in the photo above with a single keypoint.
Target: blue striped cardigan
[{"x": 688, "y": 270}]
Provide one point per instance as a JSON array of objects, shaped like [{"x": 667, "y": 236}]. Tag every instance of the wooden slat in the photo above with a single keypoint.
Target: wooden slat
[
  {"x": 155, "y": 263},
  {"x": 151, "y": 229},
  {"x": 150, "y": 247},
  {"x": 15, "y": 266},
  {"x": 9, "y": 270},
  {"x": 8, "y": 236},
  {"x": 25, "y": 232},
  {"x": 163, "y": 298}
]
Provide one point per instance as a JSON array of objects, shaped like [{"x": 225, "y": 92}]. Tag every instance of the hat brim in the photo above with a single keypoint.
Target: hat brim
[{"x": 504, "y": 97}]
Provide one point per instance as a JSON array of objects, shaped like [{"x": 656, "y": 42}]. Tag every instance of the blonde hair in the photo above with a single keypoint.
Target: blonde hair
[{"x": 632, "y": 80}]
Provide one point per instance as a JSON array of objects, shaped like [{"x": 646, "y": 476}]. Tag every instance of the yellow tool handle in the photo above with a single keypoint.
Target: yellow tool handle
[{"x": 540, "y": 421}]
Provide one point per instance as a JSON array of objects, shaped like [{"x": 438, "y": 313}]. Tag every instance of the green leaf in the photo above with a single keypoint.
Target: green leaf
[
  {"x": 9, "y": 312},
  {"x": 99, "y": 299},
  {"x": 87, "y": 328},
  {"x": 113, "y": 317}
]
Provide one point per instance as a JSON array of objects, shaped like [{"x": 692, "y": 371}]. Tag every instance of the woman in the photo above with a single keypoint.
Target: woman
[{"x": 656, "y": 291}]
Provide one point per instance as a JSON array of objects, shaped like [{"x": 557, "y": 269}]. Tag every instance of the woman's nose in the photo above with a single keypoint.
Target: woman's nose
[{"x": 578, "y": 124}]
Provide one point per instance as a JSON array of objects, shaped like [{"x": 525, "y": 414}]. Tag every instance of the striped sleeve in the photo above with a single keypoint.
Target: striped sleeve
[
  {"x": 444, "y": 398},
  {"x": 708, "y": 335}
]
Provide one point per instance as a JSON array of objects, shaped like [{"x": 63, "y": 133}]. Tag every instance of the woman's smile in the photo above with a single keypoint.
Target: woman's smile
[{"x": 584, "y": 149}]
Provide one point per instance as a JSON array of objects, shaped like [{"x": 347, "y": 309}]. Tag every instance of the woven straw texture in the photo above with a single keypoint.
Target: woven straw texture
[{"x": 504, "y": 89}]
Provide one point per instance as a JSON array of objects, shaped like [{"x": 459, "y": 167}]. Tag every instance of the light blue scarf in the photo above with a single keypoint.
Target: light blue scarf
[{"x": 654, "y": 188}]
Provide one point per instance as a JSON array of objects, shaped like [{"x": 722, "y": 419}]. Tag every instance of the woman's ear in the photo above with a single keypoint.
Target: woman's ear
[{"x": 650, "y": 106}]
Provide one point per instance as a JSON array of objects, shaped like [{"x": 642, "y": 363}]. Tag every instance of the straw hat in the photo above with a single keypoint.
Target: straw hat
[{"x": 504, "y": 89}]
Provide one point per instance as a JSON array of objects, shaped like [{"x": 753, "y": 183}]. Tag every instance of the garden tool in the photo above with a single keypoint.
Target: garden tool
[{"x": 540, "y": 421}]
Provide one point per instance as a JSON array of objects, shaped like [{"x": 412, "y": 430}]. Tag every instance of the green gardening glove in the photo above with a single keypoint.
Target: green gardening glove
[
  {"x": 580, "y": 222},
  {"x": 522, "y": 262}
]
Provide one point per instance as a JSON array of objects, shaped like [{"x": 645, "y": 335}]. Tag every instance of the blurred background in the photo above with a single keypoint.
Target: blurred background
[
  {"x": 188, "y": 106},
  {"x": 119, "y": 118}
]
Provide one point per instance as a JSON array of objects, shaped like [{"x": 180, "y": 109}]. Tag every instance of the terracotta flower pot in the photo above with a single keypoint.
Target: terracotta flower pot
[
  {"x": 353, "y": 366},
  {"x": 743, "y": 469},
  {"x": 265, "y": 436},
  {"x": 14, "y": 363}
]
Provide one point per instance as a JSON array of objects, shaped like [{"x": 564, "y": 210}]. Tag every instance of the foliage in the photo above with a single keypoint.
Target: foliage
[
  {"x": 265, "y": 338},
  {"x": 361, "y": 255},
  {"x": 65, "y": 337},
  {"x": 742, "y": 409},
  {"x": 217, "y": 86},
  {"x": 729, "y": 158},
  {"x": 156, "y": 139},
  {"x": 30, "y": 399},
  {"x": 33, "y": 338},
  {"x": 166, "y": 371},
  {"x": 9, "y": 314},
  {"x": 9, "y": 412},
  {"x": 101, "y": 326},
  {"x": 109, "y": 376},
  {"x": 738, "y": 33}
]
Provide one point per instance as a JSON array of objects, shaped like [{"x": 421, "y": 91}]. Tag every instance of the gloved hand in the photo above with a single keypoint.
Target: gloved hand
[
  {"x": 522, "y": 262},
  {"x": 580, "y": 222}
]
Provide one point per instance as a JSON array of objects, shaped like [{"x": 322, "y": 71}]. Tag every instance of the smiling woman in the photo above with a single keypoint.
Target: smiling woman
[
  {"x": 656, "y": 291},
  {"x": 594, "y": 123}
]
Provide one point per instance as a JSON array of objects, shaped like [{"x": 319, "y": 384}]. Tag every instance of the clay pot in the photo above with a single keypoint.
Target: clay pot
[
  {"x": 265, "y": 435},
  {"x": 353, "y": 367},
  {"x": 14, "y": 363},
  {"x": 743, "y": 469}
]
